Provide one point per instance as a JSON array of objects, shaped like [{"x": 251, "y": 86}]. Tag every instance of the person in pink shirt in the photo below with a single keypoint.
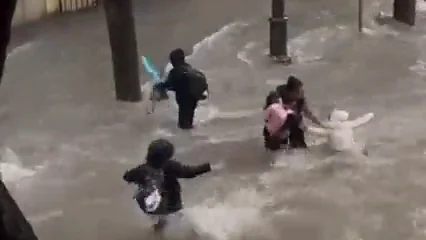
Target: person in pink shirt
[{"x": 279, "y": 118}]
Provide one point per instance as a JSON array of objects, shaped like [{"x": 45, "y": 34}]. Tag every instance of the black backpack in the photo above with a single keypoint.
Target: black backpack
[
  {"x": 197, "y": 83},
  {"x": 149, "y": 191}
]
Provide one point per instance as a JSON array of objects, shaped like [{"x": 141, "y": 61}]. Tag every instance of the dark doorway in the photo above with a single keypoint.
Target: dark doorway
[{"x": 405, "y": 11}]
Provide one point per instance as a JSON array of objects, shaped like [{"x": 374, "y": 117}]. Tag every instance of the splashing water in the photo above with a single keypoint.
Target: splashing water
[
  {"x": 239, "y": 212},
  {"x": 242, "y": 55},
  {"x": 312, "y": 45},
  {"x": 161, "y": 132},
  {"x": 200, "y": 49},
  {"x": 421, "y": 5},
  {"x": 206, "y": 113},
  {"x": 24, "y": 47},
  {"x": 419, "y": 67},
  {"x": 11, "y": 168}
]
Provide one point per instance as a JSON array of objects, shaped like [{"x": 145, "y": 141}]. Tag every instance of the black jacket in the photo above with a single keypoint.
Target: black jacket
[
  {"x": 171, "y": 187},
  {"x": 178, "y": 82}
]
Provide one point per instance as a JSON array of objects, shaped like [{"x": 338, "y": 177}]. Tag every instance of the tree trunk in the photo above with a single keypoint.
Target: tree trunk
[
  {"x": 405, "y": 11},
  {"x": 7, "y": 8},
  {"x": 122, "y": 38},
  {"x": 13, "y": 225}
]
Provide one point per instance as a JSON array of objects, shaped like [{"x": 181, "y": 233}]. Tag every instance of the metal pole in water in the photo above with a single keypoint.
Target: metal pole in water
[
  {"x": 360, "y": 15},
  {"x": 278, "y": 33}
]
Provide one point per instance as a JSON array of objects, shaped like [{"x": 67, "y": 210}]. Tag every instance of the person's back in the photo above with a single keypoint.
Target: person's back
[
  {"x": 159, "y": 156},
  {"x": 178, "y": 81}
]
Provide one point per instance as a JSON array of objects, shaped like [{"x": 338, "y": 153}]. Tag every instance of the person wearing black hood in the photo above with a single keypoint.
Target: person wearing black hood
[
  {"x": 177, "y": 81},
  {"x": 294, "y": 87},
  {"x": 160, "y": 157}
]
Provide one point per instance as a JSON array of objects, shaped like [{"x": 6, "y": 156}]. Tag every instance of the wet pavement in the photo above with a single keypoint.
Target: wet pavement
[{"x": 71, "y": 141}]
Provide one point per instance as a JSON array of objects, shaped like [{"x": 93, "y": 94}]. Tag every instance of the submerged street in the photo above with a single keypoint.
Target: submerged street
[{"x": 68, "y": 142}]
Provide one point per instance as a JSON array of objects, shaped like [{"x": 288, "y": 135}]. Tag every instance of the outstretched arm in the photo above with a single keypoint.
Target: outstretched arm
[
  {"x": 361, "y": 120},
  {"x": 169, "y": 83},
  {"x": 185, "y": 171},
  {"x": 308, "y": 114},
  {"x": 318, "y": 131}
]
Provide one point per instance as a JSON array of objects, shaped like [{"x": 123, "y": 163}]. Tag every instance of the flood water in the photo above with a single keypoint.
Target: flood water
[{"x": 67, "y": 142}]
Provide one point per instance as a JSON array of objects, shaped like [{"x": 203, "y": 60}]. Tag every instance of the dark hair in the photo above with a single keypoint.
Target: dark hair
[
  {"x": 177, "y": 57},
  {"x": 293, "y": 83},
  {"x": 159, "y": 151},
  {"x": 288, "y": 97},
  {"x": 272, "y": 98}
]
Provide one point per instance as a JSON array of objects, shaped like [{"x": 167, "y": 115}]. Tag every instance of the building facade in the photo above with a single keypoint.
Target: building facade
[{"x": 33, "y": 10}]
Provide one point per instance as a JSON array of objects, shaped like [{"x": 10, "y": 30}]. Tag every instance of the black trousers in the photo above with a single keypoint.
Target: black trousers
[
  {"x": 186, "y": 113},
  {"x": 297, "y": 135},
  {"x": 297, "y": 138}
]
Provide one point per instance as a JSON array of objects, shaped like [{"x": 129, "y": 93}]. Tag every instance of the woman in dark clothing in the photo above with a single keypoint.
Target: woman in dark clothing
[
  {"x": 295, "y": 87},
  {"x": 159, "y": 156}
]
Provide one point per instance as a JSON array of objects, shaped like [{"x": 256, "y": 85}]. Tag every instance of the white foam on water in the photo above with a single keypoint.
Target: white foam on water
[
  {"x": 369, "y": 31},
  {"x": 22, "y": 48},
  {"x": 205, "y": 113},
  {"x": 296, "y": 160},
  {"x": 312, "y": 45},
  {"x": 382, "y": 29},
  {"x": 199, "y": 49},
  {"x": 421, "y": 6},
  {"x": 418, "y": 219},
  {"x": 238, "y": 113},
  {"x": 161, "y": 132},
  {"x": 242, "y": 55},
  {"x": 46, "y": 216},
  {"x": 208, "y": 112},
  {"x": 11, "y": 168},
  {"x": 234, "y": 136},
  {"x": 419, "y": 67},
  {"x": 239, "y": 212}
]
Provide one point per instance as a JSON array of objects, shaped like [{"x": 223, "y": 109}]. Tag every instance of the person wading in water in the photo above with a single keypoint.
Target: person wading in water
[
  {"x": 294, "y": 87},
  {"x": 188, "y": 83}
]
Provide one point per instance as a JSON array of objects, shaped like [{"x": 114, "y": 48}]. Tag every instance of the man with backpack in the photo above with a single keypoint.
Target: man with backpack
[
  {"x": 159, "y": 191},
  {"x": 189, "y": 84}
]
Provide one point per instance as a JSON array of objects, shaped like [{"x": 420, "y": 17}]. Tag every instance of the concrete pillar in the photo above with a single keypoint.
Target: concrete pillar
[{"x": 125, "y": 59}]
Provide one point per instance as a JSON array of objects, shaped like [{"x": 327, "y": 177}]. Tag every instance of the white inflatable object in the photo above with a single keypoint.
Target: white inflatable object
[{"x": 340, "y": 131}]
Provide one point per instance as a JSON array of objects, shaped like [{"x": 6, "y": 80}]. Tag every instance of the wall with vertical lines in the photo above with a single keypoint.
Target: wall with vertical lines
[{"x": 33, "y": 10}]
